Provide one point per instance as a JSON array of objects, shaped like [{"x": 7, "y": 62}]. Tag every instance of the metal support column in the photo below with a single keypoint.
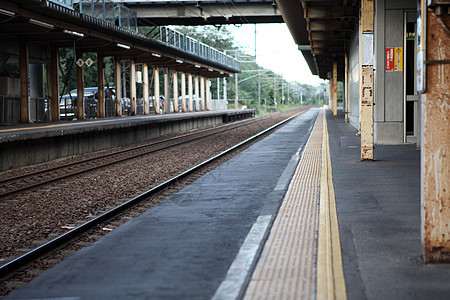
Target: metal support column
[
  {"x": 334, "y": 104},
  {"x": 24, "y": 83},
  {"x": 190, "y": 92},
  {"x": 101, "y": 87},
  {"x": 166, "y": 92},
  {"x": 202, "y": 93},
  {"x": 197, "y": 95},
  {"x": 236, "y": 96},
  {"x": 145, "y": 88},
  {"x": 156, "y": 101},
  {"x": 175, "y": 90},
  {"x": 118, "y": 85},
  {"x": 183, "y": 92},
  {"x": 208, "y": 95},
  {"x": 80, "y": 87},
  {"x": 346, "y": 93},
  {"x": 366, "y": 79},
  {"x": 435, "y": 124},
  {"x": 133, "y": 87},
  {"x": 54, "y": 84}
]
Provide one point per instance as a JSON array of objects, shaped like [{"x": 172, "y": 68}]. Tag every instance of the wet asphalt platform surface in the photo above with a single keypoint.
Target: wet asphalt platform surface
[{"x": 183, "y": 247}]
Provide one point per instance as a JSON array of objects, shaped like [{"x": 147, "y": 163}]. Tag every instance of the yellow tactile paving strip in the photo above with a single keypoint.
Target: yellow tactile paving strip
[{"x": 287, "y": 267}]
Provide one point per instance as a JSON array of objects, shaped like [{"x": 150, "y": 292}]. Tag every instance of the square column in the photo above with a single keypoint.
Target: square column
[
  {"x": 133, "y": 87},
  {"x": 334, "y": 103},
  {"x": 175, "y": 90},
  {"x": 190, "y": 92},
  {"x": 166, "y": 92},
  {"x": 202, "y": 93},
  {"x": 157, "y": 93},
  {"x": 80, "y": 88},
  {"x": 145, "y": 88},
  {"x": 101, "y": 87},
  {"x": 54, "y": 84},
  {"x": 208, "y": 95},
  {"x": 24, "y": 83},
  {"x": 197, "y": 95},
  {"x": 118, "y": 85},
  {"x": 183, "y": 92}
]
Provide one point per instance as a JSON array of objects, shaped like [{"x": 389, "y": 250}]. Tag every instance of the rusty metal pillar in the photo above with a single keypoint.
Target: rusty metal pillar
[
  {"x": 190, "y": 92},
  {"x": 24, "y": 83},
  {"x": 101, "y": 87},
  {"x": 334, "y": 85},
  {"x": 145, "y": 88},
  {"x": 133, "y": 87},
  {"x": 175, "y": 90},
  {"x": 197, "y": 95},
  {"x": 202, "y": 93},
  {"x": 117, "y": 82},
  {"x": 54, "y": 84},
  {"x": 435, "y": 164},
  {"x": 80, "y": 86},
  {"x": 156, "y": 102},
  {"x": 183, "y": 92},
  {"x": 366, "y": 79},
  {"x": 166, "y": 92}
]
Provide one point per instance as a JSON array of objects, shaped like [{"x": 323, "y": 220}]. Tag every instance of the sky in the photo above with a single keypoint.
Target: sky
[{"x": 275, "y": 50}]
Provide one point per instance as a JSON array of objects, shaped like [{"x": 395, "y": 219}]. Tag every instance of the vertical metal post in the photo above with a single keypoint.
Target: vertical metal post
[
  {"x": 366, "y": 79},
  {"x": 145, "y": 88},
  {"x": 183, "y": 92},
  {"x": 435, "y": 133},
  {"x": 208, "y": 95},
  {"x": 225, "y": 96},
  {"x": 24, "y": 83},
  {"x": 202, "y": 92},
  {"x": 80, "y": 88},
  {"x": 117, "y": 83},
  {"x": 133, "y": 87},
  {"x": 197, "y": 95},
  {"x": 54, "y": 83},
  {"x": 101, "y": 87},
  {"x": 190, "y": 92},
  {"x": 334, "y": 104},
  {"x": 259, "y": 91},
  {"x": 156, "y": 102},
  {"x": 346, "y": 93},
  {"x": 175, "y": 90},
  {"x": 166, "y": 92}
]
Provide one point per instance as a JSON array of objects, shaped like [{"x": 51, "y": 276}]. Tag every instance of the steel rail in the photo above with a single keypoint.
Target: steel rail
[
  {"x": 178, "y": 140},
  {"x": 26, "y": 258}
]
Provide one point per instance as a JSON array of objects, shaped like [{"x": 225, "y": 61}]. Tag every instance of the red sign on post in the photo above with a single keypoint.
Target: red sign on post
[{"x": 390, "y": 59}]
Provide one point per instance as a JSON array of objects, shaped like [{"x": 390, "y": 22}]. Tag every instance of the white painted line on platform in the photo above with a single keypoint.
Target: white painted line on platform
[{"x": 242, "y": 264}]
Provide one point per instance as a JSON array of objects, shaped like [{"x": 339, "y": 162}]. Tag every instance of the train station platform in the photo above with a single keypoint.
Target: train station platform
[
  {"x": 295, "y": 216},
  {"x": 28, "y": 144}
]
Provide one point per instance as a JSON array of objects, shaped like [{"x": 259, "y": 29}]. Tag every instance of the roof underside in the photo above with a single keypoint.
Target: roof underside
[{"x": 322, "y": 30}]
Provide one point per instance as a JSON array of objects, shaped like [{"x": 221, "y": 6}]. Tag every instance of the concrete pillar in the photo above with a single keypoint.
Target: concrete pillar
[
  {"x": 202, "y": 92},
  {"x": 101, "y": 87},
  {"x": 366, "y": 79},
  {"x": 156, "y": 101},
  {"x": 133, "y": 87},
  {"x": 334, "y": 104},
  {"x": 183, "y": 92},
  {"x": 80, "y": 88},
  {"x": 54, "y": 84},
  {"x": 190, "y": 92},
  {"x": 24, "y": 83},
  {"x": 117, "y": 82},
  {"x": 175, "y": 90},
  {"x": 197, "y": 95},
  {"x": 145, "y": 88},
  {"x": 330, "y": 94},
  {"x": 435, "y": 124},
  {"x": 166, "y": 92}
]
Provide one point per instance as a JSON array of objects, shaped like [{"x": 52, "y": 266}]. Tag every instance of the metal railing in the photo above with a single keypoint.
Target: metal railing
[{"x": 119, "y": 15}]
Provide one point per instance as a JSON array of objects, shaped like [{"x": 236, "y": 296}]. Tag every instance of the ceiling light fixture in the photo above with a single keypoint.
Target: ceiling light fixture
[
  {"x": 123, "y": 46},
  {"x": 42, "y": 24},
  {"x": 73, "y": 33},
  {"x": 156, "y": 54}
]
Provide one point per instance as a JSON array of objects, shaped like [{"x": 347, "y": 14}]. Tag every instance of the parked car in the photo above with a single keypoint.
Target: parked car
[{"x": 68, "y": 102}]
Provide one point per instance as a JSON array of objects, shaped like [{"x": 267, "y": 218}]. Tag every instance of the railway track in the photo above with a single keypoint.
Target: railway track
[
  {"x": 31, "y": 180},
  {"x": 19, "y": 262}
]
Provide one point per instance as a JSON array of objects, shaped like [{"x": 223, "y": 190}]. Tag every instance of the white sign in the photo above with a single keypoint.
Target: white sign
[{"x": 367, "y": 39}]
